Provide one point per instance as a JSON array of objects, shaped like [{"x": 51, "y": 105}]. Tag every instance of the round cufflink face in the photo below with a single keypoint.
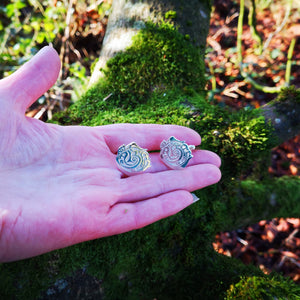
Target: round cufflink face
[
  {"x": 175, "y": 153},
  {"x": 132, "y": 158}
]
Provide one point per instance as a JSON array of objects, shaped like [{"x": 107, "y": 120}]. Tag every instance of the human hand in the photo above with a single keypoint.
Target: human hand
[{"x": 60, "y": 185}]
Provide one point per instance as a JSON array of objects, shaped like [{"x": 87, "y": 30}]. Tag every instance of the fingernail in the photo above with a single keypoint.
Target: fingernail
[{"x": 195, "y": 198}]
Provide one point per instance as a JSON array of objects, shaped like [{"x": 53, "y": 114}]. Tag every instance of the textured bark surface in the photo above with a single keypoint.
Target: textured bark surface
[{"x": 284, "y": 117}]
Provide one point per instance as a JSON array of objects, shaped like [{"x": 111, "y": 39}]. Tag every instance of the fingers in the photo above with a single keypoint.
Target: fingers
[
  {"x": 205, "y": 157},
  {"x": 199, "y": 157},
  {"x": 148, "y": 136},
  {"x": 33, "y": 79},
  {"x": 124, "y": 217},
  {"x": 149, "y": 185}
]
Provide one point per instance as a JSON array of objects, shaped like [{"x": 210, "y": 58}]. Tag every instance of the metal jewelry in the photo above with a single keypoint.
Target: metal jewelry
[
  {"x": 132, "y": 158},
  {"x": 175, "y": 153}
]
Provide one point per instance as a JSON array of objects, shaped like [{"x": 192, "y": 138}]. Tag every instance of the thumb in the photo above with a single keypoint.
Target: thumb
[{"x": 33, "y": 79}]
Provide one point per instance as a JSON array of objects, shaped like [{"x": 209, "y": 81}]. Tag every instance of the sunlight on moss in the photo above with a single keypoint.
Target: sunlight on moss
[{"x": 253, "y": 288}]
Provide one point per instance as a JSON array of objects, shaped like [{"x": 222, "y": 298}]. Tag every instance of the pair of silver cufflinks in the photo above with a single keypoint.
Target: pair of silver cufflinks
[{"x": 174, "y": 153}]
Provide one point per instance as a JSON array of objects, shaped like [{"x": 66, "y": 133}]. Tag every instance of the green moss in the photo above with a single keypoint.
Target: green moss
[
  {"x": 239, "y": 138},
  {"x": 263, "y": 288},
  {"x": 26, "y": 279},
  {"x": 251, "y": 200},
  {"x": 290, "y": 94},
  {"x": 282, "y": 194},
  {"x": 159, "y": 58},
  {"x": 171, "y": 14},
  {"x": 149, "y": 82}
]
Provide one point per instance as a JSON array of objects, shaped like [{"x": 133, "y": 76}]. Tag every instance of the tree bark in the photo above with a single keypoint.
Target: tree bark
[{"x": 284, "y": 117}]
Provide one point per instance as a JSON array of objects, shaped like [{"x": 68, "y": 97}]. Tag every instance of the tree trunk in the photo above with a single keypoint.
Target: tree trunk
[{"x": 128, "y": 17}]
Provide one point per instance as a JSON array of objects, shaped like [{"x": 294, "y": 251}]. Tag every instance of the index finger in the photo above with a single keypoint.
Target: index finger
[{"x": 148, "y": 136}]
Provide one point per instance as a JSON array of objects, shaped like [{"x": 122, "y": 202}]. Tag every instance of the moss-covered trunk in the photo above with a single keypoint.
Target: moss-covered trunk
[
  {"x": 127, "y": 18},
  {"x": 158, "y": 77}
]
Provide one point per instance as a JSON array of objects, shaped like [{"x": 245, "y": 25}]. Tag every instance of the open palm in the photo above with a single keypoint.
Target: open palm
[{"x": 61, "y": 185}]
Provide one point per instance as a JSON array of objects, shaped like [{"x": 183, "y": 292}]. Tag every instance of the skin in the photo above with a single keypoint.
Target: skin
[{"x": 61, "y": 185}]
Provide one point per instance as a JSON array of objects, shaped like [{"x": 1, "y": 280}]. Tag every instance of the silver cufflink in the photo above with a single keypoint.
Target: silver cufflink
[
  {"x": 132, "y": 158},
  {"x": 175, "y": 153}
]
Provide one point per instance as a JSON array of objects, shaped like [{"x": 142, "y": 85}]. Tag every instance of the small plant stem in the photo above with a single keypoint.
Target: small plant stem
[
  {"x": 240, "y": 32},
  {"x": 37, "y": 5},
  {"x": 213, "y": 77},
  {"x": 289, "y": 62},
  {"x": 260, "y": 87},
  {"x": 252, "y": 24},
  {"x": 247, "y": 77}
]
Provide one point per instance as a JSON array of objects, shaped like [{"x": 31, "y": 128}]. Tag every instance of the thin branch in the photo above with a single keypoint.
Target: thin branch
[
  {"x": 240, "y": 32},
  {"x": 252, "y": 24}
]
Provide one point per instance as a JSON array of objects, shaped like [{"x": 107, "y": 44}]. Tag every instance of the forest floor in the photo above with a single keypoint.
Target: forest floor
[{"x": 272, "y": 245}]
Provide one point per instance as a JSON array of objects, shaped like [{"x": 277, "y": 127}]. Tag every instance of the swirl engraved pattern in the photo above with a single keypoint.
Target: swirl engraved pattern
[
  {"x": 175, "y": 153},
  {"x": 132, "y": 158}
]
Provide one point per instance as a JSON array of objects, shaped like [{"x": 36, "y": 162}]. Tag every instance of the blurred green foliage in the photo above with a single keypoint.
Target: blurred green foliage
[{"x": 26, "y": 26}]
